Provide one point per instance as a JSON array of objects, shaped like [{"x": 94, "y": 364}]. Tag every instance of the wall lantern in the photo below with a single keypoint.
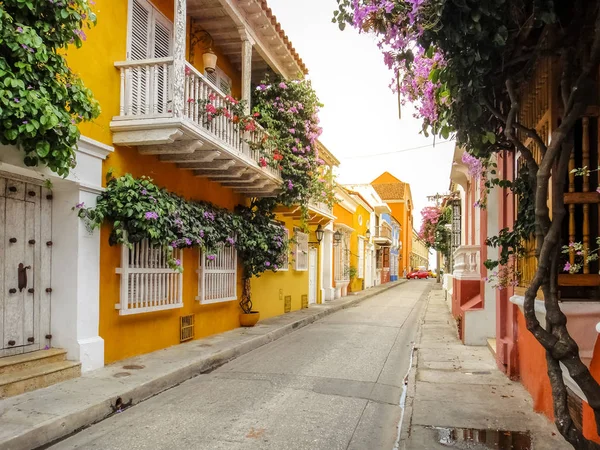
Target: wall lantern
[
  {"x": 209, "y": 59},
  {"x": 368, "y": 235},
  {"x": 319, "y": 233},
  {"x": 337, "y": 237}
]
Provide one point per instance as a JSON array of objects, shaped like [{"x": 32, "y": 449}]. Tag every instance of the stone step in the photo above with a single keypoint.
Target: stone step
[
  {"x": 491, "y": 345},
  {"x": 38, "y": 377},
  {"x": 23, "y": 361}
]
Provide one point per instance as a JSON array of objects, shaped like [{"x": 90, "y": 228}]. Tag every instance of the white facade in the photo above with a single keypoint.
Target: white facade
[{"x": 75, "y": 260}]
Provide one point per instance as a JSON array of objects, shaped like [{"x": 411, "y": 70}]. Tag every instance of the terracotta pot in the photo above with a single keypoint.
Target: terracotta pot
[{"x": 249, "y": 320}]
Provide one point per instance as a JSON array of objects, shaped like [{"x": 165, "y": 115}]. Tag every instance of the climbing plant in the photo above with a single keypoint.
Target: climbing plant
[
  {"x": 41, "y": 99},
  {"x": 289, "y": 111},
  {"x": 137, "y": 209}
]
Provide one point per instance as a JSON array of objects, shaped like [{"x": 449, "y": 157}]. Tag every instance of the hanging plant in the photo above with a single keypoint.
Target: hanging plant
[
  {"x": 138, "y": 209},
  {"x": 41, "y": 99}
]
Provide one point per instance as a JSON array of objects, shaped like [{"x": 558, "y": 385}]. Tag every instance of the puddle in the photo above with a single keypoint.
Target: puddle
[{"x": 473, "y": 439}]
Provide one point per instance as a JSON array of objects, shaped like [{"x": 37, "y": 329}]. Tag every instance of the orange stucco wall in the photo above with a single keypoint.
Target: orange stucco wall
[
  {"x": 533, "y": 368},
  {"x": 402, "y": 212},
  {"x": 126, "y": 336}
]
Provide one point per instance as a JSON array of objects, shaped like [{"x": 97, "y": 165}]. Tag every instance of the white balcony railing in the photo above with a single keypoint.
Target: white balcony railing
[
  {"x": 383, "y": 232},
  {"x": 322, "y": 207},
  {"x": 147, "y": 93},
  {"x": 466, "y": 261}
]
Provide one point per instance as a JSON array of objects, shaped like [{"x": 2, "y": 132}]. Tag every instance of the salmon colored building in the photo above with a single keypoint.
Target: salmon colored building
[{"x": 494, "y": 317}]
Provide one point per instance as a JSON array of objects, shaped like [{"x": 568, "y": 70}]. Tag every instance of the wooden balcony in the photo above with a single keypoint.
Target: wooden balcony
[{"x": 215, "y": 148}]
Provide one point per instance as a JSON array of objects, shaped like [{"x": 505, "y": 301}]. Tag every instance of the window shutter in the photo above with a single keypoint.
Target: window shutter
[
  {"x": 217, "y": 279},
  {"x": 301, "y": 251},
  {"x": 163, "y": 37},
  {"x": 147, "y": 282},
  {"x": 212, "y": 77},
  {"x": 141, "y": 16}
]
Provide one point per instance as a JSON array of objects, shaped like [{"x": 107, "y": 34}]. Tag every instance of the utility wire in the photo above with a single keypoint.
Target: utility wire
[{"x": 397, "y": 151}]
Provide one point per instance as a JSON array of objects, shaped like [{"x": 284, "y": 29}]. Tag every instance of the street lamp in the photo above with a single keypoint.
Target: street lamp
[
  {"x": 319, "y": 233},
  {"x": 337, "y": 237},
  {"x": 368, "y": 235}
]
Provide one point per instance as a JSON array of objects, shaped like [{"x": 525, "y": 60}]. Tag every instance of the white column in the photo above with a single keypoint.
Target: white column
[
  {"x": 327, "y": 290},
  {"x": 247, "y": 45},
  {"x": 179, "y": 57}
]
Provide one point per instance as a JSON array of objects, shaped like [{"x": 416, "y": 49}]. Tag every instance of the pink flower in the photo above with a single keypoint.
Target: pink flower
[
  {"x": 282, "y": 85},
  {"x": 292, "y": 130},
  {"x": 567, "y": 267}
]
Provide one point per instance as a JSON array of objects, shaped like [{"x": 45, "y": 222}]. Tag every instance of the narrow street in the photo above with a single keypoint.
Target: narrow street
[{"x": 335, "y": 384}]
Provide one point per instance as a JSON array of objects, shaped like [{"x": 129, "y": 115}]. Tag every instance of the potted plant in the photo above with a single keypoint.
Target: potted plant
[
  {"x": 351, "y": 272},
  {"x": 262, "y": 246}
]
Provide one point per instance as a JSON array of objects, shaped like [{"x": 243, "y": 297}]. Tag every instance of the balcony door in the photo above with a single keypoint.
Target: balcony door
[{"x": 150, "y": 36}]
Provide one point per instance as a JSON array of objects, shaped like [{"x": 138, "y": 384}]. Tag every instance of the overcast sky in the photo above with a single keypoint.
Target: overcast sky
[{"x": 360, "y": 118}]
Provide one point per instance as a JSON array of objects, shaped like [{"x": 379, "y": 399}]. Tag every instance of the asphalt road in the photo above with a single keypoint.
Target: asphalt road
[{"x": 335, "y": 384}]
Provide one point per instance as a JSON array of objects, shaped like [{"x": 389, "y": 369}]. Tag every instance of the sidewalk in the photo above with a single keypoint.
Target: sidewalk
[
  {"x": 40, "y": 417},
  {"x": 452, "y": 386}
]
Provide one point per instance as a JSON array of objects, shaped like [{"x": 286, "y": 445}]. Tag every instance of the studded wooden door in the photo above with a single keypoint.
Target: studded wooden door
[{"x": 25, "y": 256}]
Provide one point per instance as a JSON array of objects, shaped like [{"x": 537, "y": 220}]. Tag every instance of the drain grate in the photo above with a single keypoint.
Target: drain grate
[
  {"x": 304, "y": 301},
  {"x": 187, "y": 328},
  {"x": 287, "y": 303},
  {"x": 134, "y": 367}
]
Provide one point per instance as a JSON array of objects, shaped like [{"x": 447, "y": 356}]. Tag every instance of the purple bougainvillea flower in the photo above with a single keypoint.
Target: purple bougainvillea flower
[
  {"x": 267, "y": 263},
  {"x": 144, "y": 192},
  {"x": 211, "y": 257},
  {"x": 151, "y": 215},
  {"x": 567, "y": 267},
  {"x": 188, "y": 241},
  {"x": 80, "y": 205},
  {"x": 290, "y": 185},
  {"x": 201, "y": 233},
  {"x": 19, "y": 29},
  {"x": 282, "y": 85},
  {"x": 178, "y": 262},
  {"x": 230, "y": 241}
]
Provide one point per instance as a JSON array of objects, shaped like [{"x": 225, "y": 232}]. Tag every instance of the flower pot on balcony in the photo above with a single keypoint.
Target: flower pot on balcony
[{"x": 249, "y": 320}]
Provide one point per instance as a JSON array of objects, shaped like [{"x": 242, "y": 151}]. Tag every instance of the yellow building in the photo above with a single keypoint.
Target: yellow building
[
  {"x": 145, "y": 62},
  {"x": 419, "y": 256}
]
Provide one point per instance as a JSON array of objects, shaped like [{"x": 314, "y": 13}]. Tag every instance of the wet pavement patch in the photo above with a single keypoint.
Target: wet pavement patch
[{"x": 473, "y": 439}]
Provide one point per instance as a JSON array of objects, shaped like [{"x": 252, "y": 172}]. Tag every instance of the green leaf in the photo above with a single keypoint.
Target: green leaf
[{"x": 42, "y": 148}]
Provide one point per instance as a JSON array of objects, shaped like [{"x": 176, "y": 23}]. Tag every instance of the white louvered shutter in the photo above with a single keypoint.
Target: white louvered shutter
[
  {"x": 163, "y": 38},
  {"x": 139, "y": 48},
  {"x": 301, "y": 251}
]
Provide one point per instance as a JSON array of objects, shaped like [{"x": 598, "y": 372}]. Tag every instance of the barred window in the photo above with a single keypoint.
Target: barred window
[
  {"x": 147, "y": 282},
  {"x": 217, "y": 276},
  {"x": 301, "y": 251}
]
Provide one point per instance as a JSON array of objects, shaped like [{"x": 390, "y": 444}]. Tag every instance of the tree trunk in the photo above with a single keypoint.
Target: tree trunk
[{"x": 246, "y": 303}]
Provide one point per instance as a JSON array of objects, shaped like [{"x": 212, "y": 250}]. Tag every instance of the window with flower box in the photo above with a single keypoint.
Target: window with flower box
[
  {"x": 147, "y": 282},
  {"x": 217, "y": 276},
  {"x": 301, "y": 251}
]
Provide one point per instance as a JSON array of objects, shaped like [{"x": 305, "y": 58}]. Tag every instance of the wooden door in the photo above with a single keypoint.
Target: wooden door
[{"x": 25, "y": 222}]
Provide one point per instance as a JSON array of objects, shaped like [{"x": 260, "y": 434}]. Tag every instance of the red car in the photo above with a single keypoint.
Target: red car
[{"x": 415, "y": 274}]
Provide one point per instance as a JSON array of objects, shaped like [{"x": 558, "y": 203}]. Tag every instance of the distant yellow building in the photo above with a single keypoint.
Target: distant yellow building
[{"x": 419, "y": 256}]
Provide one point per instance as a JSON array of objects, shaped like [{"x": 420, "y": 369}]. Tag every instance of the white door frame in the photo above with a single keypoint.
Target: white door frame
[{"x": 313, "y": 258}]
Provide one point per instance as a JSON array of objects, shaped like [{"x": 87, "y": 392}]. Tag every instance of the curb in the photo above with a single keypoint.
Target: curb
[
  {"x": 58, "y": 428},
  {"x": 406, "y": 425}
]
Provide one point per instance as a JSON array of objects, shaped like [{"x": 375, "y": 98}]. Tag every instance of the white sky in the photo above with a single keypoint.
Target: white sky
[{"x": 360, "y": 118}]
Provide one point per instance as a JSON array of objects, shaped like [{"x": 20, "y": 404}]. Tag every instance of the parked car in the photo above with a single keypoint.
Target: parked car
[{"x": 416, "y": 274}]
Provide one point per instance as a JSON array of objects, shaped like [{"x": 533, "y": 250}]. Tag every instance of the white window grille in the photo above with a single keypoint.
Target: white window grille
[
  {"x": 285, "y": 259},
  {"x": 217, "y": 278},
  {"x": 301, "y": 251},
  {"x": 147, "y": 282},
  {"x": 361, "y": 258}
]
